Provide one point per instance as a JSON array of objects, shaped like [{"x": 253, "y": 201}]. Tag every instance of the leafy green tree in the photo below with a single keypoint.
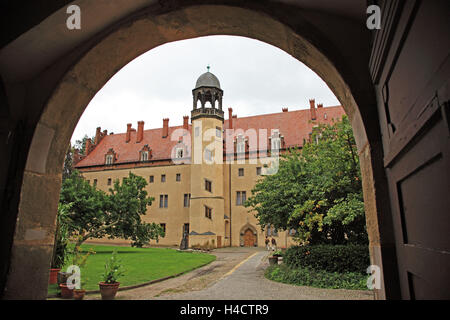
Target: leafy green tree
[
  {"x": 81, "y": 144},
  {"x": 68, "y": 163},
  {"x": 317, "y": 191},
  {"x": 117, "y": 214}
]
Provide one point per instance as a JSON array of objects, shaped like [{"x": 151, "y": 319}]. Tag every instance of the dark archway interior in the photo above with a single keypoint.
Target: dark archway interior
[{"x": 49, "y": 74}]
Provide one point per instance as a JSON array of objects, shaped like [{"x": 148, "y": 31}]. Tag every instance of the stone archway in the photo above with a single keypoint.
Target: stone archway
[{"x": 138, "y": 34}]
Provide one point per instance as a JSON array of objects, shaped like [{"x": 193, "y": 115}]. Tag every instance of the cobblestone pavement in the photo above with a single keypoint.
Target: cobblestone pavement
[{"x": 236, "y": 274}]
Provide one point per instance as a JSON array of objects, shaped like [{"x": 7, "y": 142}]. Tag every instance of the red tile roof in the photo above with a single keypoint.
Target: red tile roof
[{"x": 294, "y": 126}]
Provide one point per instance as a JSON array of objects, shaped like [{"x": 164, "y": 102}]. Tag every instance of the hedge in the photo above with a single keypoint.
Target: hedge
[
  {"x": 318, "y": 279},
  {"x": 330, "y": 258}
]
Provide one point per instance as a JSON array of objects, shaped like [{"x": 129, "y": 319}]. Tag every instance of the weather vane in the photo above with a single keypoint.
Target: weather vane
[{"x": 208, "y": 67}]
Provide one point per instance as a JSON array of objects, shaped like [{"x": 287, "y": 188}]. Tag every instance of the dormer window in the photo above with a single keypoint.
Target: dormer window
[
  {"x": 275, "y": 140},
  {"x": 179, "y": 153},
  {"x": 109, "y": 159},
  {"x": 144, "y": 156}
]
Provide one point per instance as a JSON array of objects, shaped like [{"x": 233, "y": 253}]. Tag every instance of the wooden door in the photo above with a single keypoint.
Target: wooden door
[
  {"x": 249, "y": 238},
  {"x": 219, "y": 241},
  {"x": 411, "y": 71}
]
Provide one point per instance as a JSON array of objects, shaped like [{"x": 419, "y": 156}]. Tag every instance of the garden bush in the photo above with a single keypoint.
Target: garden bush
[
  {"x": 330, "y": 258},
  {"x": 317, "y": 278}
]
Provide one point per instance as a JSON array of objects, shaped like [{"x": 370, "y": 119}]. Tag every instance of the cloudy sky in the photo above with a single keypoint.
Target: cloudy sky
[{"x": 257, "y": 78}]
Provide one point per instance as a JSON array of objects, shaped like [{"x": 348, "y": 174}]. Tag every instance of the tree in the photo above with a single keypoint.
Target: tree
[
  {"x": 317, "y": 191},
  {"x": 68, "y": 163},
  {"x": 81, "y": 144},
  {"x": 117, "y": 214}
]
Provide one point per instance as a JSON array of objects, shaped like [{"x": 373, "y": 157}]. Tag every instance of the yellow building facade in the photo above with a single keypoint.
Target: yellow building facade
[{"x": 200, "y": 174}]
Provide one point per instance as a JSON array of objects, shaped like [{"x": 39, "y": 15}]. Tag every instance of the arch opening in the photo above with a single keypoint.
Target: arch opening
[{"x": 87, "y": 76}]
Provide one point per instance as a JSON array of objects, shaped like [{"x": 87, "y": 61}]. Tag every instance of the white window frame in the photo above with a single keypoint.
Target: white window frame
[{"x": 109, "y": 159}]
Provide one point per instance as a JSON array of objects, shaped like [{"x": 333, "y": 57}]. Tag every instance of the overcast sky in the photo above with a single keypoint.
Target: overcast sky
[{"x": 256, "y": 77}]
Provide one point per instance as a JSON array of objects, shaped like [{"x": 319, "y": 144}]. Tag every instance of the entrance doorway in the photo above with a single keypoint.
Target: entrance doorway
[{"x": 249, "y": 238}]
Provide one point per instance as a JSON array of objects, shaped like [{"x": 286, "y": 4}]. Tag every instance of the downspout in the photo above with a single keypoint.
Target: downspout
[{"x": 229, "y": 199}]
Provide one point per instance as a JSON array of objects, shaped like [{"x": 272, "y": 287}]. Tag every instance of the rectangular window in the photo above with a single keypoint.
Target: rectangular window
[
  {"x": 208, "y": 185},
  {"x": 95, "y": 182},
  {"x": 186, "y": 228},
  {"x": 208, "y": 212},
  {"x": 163, "y": 200},
  {"x": 218, "y": 132},
  {"x": 144, "y": 156},
  {"x": 258, "y": 171},
  {"x": 241, "y": 172},
  {"x": 208, "y": 155},
  {"x": 187, "y": 200},
  {"x": 163, "y": 225},
  {"x": 151, "y": 179},
  {"x": 163, "y": 178},
  {"x": 197, "y": 131},
  {"x": 178, "y": 177},
  {"x": 109, "y": 181},
  {"x": 241, "y": 197},
  {"x": 271, "y": 231}
]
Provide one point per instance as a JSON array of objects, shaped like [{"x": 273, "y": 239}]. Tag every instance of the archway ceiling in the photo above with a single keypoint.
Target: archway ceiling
[{"x": 43, "y": 42}]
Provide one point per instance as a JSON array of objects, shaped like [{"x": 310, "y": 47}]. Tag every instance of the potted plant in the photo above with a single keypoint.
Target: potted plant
[
  {"x": 113, "y": 270},
  {"x": 78, "y": 294},
  {"x": 79, "y": 259},
  {"x": 273, "y": 260},
  {"x": 278, "y": 253}
]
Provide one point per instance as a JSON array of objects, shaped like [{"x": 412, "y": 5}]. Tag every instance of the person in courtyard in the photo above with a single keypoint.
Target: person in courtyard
[
  {"x": 274, "y": 244},
  {"x": 267, "y": 244}
]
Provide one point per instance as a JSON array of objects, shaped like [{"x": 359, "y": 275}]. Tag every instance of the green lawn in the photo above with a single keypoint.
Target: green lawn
[{"x": 141, "y": 264}]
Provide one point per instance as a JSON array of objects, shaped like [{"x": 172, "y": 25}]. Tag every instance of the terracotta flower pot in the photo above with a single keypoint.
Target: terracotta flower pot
[
  {"x": 78, "y": 294},
  {"x": 273, "y": 260},
  {"x": 62, "y": 277},
  {"x": 108, "y": 290},
  {"x": 53, "y": 279},
  {"x": 66, "y": 293}
]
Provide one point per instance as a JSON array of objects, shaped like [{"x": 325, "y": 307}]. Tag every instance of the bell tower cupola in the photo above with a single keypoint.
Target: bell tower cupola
[{"x": 207, "y": 97}]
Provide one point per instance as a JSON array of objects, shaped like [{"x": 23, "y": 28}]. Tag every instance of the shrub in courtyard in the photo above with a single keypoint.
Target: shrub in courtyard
[
  {"x": 330, "y": 258},
  {"x": 317, "y": 278}
]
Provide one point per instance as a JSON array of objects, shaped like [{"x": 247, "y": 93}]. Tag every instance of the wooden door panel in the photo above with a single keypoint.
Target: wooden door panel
[{"x": 412, "y": 87}]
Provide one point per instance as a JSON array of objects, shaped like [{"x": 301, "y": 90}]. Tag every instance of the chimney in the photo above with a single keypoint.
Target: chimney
[
  {"x": 165, "y": 128},
  {"x": 320, "y": 106},
  {"x": 140, "y": 132},
  {"x": 128, "y": 137},
  {"x": 230, "y": 118},
  {"x": 97, "y": 135},
  {"x": 312, "y": 104},
  {"x": 285, "y": 109},
  {"x": 186, "y": 122},
  {"x": 87, "y": 147}
]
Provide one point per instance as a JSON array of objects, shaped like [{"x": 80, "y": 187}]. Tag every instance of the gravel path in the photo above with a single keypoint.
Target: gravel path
[
  {"x": 236, "y": 274},
  {"x": 247, "y": 282}
]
